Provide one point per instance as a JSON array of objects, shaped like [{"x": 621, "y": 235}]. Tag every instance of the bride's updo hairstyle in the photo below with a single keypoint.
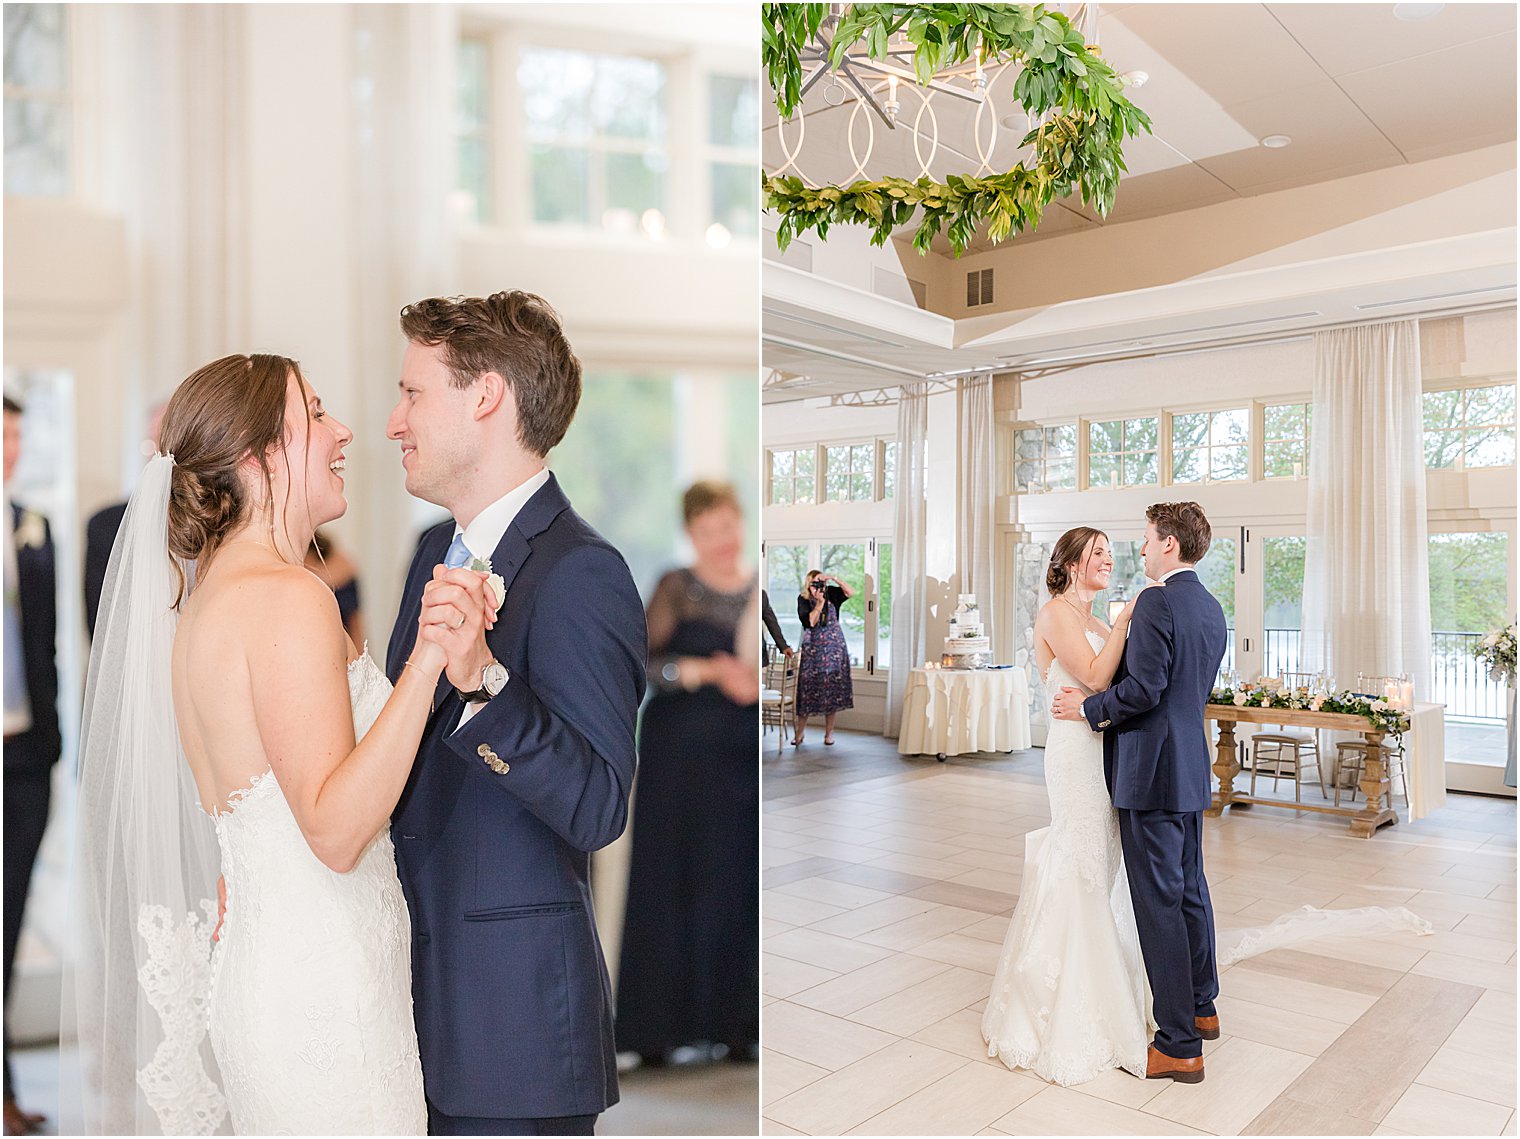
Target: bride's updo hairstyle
[
  {"x": 222, "y": 413},
  {"x": 1068, "y": 552}
]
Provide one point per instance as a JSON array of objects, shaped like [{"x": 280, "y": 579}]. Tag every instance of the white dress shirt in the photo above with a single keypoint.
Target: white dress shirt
[
  {"x": 1167, "y": 574},
  {"x": 484, "y": 534}
]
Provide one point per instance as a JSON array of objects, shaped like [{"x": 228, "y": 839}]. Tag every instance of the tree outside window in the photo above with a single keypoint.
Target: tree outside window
[
  {"x": 1045, "y": 458},
  {"x": 1285, "y": 440},
  {"x": 1122, "y": 452},
  {"x": 848, "y": 472},
  {"x": 37, "y": 125},
  {"x": 733, "y": 108},
  {"x": 1211, "y": 446},
  {"x": 792, "y": 481}
]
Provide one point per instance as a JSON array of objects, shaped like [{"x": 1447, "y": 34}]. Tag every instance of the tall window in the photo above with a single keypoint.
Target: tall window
[
  {"x": 848, "y": 472},
  {"x": 473, "y": 129},
  {"x": 1285, "y": 440},
  {"x": 1283, "y": 601},
  {"x": 1045, "y": 458},
  {"x": 733, "y": 132},
  {"x": 785, "y": 567},
  {"x": 1211, "y": 446},
  {"x": 1122, "y": 452},
  {"x": 1468, "y": 599},
  {"x": 865, "y": 564},
  {"x": 36, "y": 100},
  {"x": 596, "y": 131},
  {"x": 1470, "y": 427},
  {"x": 792, "y": 477}
]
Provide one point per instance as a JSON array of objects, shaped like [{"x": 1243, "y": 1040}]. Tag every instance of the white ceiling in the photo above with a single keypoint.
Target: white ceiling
[{"x": 1354, "y": 87}]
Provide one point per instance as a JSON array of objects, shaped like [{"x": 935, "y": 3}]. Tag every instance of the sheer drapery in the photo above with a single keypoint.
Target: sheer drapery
[
  {"x": 1366, "y": 586},
  {"x": 977, "y": 492},
  {"x": 908, "y": 542}
]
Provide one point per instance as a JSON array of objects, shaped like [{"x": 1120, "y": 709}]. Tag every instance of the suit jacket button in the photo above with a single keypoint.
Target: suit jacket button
[{"x": 484, "y": 750}]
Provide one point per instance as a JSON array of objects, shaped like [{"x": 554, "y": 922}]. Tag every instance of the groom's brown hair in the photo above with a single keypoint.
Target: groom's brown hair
[
  {"x": 516, "y": 335},
  {"x": 1186, "y": 522}
]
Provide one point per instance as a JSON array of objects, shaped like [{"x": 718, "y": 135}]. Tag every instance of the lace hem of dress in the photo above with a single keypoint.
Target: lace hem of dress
[
  {"x": 176, "y": 979},
  {"x": 1064, "y": 1071}
]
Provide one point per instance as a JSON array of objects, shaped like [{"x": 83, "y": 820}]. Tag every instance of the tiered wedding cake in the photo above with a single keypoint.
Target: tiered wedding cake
[{"x": 967, "y": 646}]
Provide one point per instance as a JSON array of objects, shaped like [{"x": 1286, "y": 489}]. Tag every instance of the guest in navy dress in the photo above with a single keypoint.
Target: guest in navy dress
[
  {"x": 823, "y": 678},
  {"x": 690, "y": 972}
]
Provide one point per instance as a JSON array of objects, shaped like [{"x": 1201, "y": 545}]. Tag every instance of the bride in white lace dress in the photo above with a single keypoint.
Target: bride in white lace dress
[
  {"x": 291, "y": 751},
  {"x": 1069, "y": 998}
]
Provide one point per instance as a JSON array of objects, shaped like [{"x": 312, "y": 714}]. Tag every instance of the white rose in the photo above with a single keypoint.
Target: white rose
[
  {"x": 1240, "y": 700},
  {"x": 1316, "y": 703},
  {"x": 31, "y": 533},
  {"x": 498, "y": 589}
]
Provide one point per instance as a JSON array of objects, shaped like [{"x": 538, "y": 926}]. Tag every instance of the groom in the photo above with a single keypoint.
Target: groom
[
  {"x": 526, "y": 764},
  {"x": 1156, "y": 762}
]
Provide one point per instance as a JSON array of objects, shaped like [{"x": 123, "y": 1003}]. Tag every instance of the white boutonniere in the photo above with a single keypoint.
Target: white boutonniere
[
  {"x": 498, "y": 586},
  {"x": 31, "y": 531}
]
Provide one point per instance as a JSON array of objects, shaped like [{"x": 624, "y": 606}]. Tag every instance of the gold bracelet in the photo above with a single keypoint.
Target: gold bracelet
[{"x": 414, "y": 668}]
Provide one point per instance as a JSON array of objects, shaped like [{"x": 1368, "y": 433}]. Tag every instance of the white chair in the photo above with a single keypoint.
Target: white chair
[{"x": 778, "y": 696}]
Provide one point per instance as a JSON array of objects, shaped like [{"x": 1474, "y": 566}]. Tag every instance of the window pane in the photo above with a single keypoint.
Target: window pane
[
  {"x": 847, "y": 561},
  {"x": 883, "y": 606},
  {"x": 473, "y": 103},
  {"x": 805, "y": 490},
  {"x": 1283, "y": 598},
  {"x": 1442, "y": 409},
  {"x": 1442, "y": 448},
  {"x": 836, "y": 474},
  {"x": 860, "y": 487},
  {"x": 1284, "y": 421},
  {"x": 1228, "y": 463},
  {"x": 559, "y": 184},
  {"x": 804, "y": 460},
  {"x": 1491, "y": 405},
  {"x": 628, "y": 98},
  {"x": 36, "y": 47},
  {"x": 636, "y": 182},
  {"x": 1190, "y": 430},
  {"x": 1279, "y": 460},
  {"x": 1217, "y": 572},
  {"x": 1141, "y": 469},
  {"x": 1030, "y": 443},
  {"x": 1061, "y": 474},
  {"x": 1107, "y": 436},
  {"x": 785, "y": 567},
  {"x": 36, "y": 147},
  {"x": 1102, "y": 470},
  {"x": 889, "y": 470},
  {"x": 736, "y": 197},
  {"x": 1232, "y": 426},
  {"x": 475, "y": 176},
  {"x": 1027, "y": 475},
  {"x": 781, "y": 492},
  {"x": 733, "y": 111},
  {"x": 861, "y": 457},
  {"x": 1061, "y": 440},
  {"x": 781, "y": 464},
  {"x": 1494, "y": 447},
  {"x": 1187, "y": 465},
  {"x": 1140, "y": 434},
  {"x": 556, "y": 92}
]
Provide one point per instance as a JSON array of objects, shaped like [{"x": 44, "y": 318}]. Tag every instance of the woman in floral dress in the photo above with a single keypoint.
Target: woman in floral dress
[{"x": 823, "y": 679}]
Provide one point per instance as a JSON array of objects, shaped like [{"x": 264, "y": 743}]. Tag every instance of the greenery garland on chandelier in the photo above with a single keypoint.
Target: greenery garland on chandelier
[{"x": 1077, "y": 148}]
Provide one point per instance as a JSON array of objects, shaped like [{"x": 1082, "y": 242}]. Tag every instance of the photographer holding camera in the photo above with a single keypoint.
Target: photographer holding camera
[{"x": 823, "y": 678}]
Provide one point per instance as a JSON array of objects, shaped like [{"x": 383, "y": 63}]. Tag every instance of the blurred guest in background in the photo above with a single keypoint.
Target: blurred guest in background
[
  {"x": 32, "y": 740},
  {"x": 690, "y": 974},
  {"x": 772, "y": 625},
  {"x": 341, "y": 575},
  {"x": 100, "y": 530},
  {"x": 823, "y": 680}
]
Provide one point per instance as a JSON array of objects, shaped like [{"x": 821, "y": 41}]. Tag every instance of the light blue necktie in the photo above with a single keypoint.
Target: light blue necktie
[{"x": 458, "y": 553}]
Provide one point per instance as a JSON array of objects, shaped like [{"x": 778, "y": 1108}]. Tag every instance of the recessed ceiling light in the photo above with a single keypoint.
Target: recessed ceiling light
[
  {"x": 1136, "y": 78},
  {"x": 1014, "y": 121},
  {"x": 1276, "y": 141},
  {"x": 1413, "y": 12}
]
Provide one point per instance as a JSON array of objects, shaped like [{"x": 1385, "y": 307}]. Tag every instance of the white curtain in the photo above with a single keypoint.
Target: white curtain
[
  {"x": 908, "y": 541},
  {"x": 976, "y": 521},
  {"x": 1366, "y": 588}
]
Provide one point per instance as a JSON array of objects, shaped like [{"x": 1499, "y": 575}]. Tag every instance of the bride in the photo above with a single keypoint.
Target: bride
[
  {"x": 231, "y": 727},
  {"x": 1069, "y": 997}
]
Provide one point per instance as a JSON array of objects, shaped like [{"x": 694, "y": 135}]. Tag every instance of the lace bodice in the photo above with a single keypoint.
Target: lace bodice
[{"x": 310, "y": 1013}]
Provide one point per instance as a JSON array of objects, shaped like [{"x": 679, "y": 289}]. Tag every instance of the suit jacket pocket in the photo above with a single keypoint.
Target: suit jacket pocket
[{"x": 504, "y": 913}]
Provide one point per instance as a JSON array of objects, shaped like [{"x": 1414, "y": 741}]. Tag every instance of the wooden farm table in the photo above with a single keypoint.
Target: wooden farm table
[{"x": 1376, "y": 811}]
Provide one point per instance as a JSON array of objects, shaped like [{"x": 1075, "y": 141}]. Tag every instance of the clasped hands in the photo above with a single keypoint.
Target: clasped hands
[
  {"x": 1067, "y": 704},
  {"x": 458, "y": 608}
]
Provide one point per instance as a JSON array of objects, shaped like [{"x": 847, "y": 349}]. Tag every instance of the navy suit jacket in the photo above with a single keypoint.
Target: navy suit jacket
[
  {"x": 37, "y": 748},
  {"x": 510, "y": 989},
  {"x": 1155, "y": 744}
]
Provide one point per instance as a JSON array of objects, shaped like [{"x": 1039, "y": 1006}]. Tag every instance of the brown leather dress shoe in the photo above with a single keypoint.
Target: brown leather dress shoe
[
  {"x": 1207, "y": 1026},
  {"x": 1160, "y": 1066}
]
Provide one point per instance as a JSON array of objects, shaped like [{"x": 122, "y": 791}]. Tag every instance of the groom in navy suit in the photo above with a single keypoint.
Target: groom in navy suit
[
  {"x": 1156, "y": 762},
  {"x": 526, "y": 764}
]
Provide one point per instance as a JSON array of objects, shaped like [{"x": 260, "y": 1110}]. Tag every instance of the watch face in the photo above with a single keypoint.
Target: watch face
[{"x": 494, "y": 679}]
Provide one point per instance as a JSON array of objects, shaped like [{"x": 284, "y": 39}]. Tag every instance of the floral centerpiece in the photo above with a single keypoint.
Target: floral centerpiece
[
  {"x": 1497, "y": 651},
  {"x": 1270, "y": 693}
]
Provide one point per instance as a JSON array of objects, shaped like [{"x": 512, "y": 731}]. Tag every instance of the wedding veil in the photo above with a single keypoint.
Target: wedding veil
[{"x": 146, "y": 863}]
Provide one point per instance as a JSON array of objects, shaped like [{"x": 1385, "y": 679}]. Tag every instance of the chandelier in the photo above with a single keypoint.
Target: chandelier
[{"x": 1035, "y": 70}]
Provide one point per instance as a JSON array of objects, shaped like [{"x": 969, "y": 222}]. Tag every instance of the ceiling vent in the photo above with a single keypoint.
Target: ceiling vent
[{"x": 978, "y": 288}]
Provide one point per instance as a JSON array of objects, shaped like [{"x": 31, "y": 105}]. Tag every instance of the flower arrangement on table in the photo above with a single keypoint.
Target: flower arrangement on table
[
  {"x": 1270, "y": 693},
  {"x": 1497, "y": 652}
]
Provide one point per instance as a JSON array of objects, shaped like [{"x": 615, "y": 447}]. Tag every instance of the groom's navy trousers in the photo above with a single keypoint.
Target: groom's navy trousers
[
  {"x": 1156, "y": 762},
  {"x": 495, "y": 829}
]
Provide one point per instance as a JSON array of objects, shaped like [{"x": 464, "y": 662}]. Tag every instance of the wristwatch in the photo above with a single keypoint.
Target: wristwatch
[{"x": 493, "y": 678}]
